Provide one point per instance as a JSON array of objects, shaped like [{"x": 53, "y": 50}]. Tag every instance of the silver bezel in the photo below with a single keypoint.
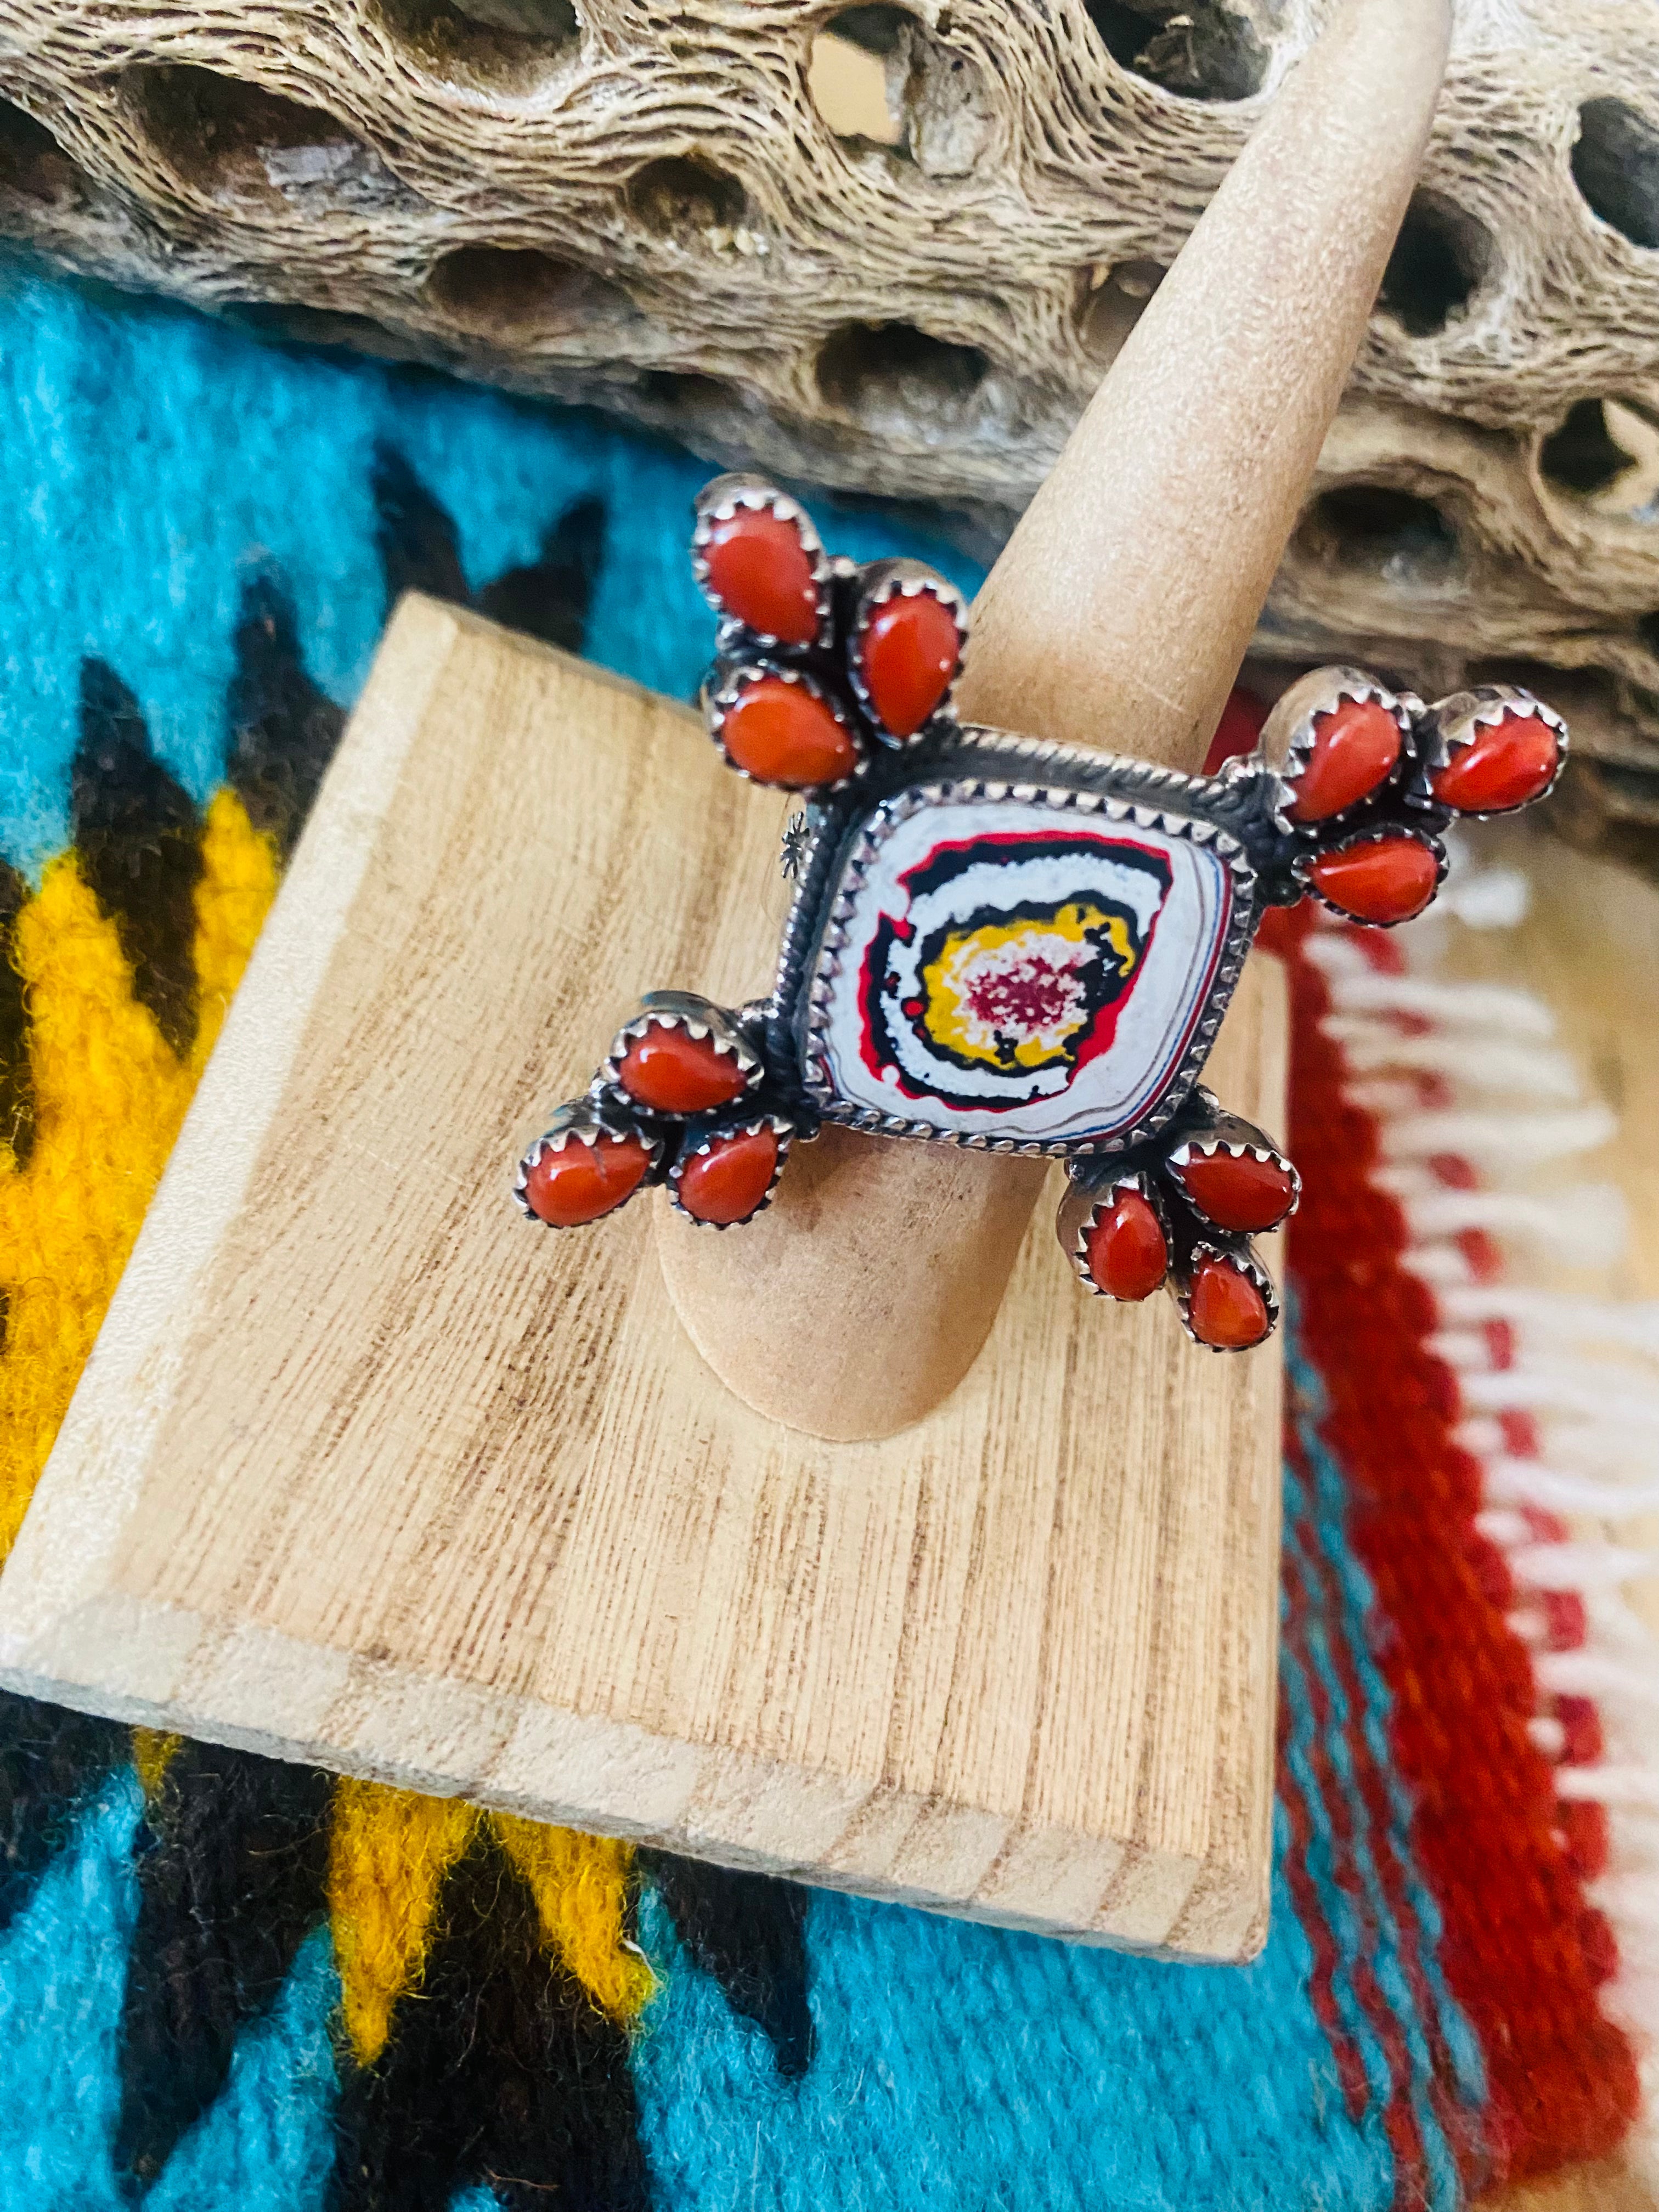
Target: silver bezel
[
  {"x": 1452, "y": 725},
  {"x": 904, "y": 580},
  {"x": 718, "y": 503},
  {"x": 1384, "y": 833},
  {"x": 1320, "y": 692},
  {"x": 674, "y": 1010},
  {"x": 1205, "y": 1144},
  {"x": 719, "y": 703},
  {"x": 586, "y": 1124},
  {"x": 1247, "y": 1263},
  {"x": 781, "y": 1126},
  {"x": 1080, "y": 1210}
]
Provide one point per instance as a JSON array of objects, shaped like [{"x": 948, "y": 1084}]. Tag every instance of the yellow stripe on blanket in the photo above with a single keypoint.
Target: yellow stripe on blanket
[
  {"x": 389, "y": 1851},
  {"x": 109, "y": 1095}
]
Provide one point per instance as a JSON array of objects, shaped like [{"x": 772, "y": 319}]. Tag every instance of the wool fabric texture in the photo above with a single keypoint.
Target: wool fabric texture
[{"x": 225, "y": 1983}]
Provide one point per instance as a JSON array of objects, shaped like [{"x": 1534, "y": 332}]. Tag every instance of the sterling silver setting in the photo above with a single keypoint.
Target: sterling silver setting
[{"x": 1009, "y": 945}]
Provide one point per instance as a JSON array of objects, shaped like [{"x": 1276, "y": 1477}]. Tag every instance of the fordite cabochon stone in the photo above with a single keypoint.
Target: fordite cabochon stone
[
  {"x": 1009, "y": 945},
  {"x": 996, "y": 966}
]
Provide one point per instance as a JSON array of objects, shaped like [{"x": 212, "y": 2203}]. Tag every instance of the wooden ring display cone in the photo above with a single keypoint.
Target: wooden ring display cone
[{"x": 1116, "y": 617}]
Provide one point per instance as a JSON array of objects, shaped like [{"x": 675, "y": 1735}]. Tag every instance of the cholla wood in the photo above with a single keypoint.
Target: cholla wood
[
  {"x": 894, "y": 248},
  {"x": 359, "y": 1473}
]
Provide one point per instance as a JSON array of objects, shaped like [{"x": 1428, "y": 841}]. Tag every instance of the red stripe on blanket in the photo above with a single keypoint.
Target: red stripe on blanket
[
  {"x": 1486, "y": 1829},
  {"x": 1399, "y": 2117},
  {"x": 1311, "y": 1912},
  {"x": 1459, "y": 2124}
]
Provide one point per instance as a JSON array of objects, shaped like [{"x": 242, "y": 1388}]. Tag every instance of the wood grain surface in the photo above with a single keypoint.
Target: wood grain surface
[{"x": 367, "y": 1470}]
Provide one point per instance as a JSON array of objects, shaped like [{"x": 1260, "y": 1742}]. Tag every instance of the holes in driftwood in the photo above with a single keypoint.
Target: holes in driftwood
[
  {"x": 1615, "y": 164},
  {"x": 225, "y": 135},
  {"x": 1440, "y": 259},
  {"x": 33, "y": 165},
  {"x": 1394, "y": 535},
  {"x": 856, "y": 74},
  {"x": 894, "y": 376},
  {"x": 685, "y": 391},
  {"x": 508, "y": 44},
  {"x": 1114, "y": 303},
  {"x": 513, "y": 294},
  {"x": 878, "y": 77},
  {"x": 1195, "y": 47},
  {"x": 553, "y": 22},
  {"x": 684, "y": 197},
  {"x": 1605, "y": 454},
  {"x": 286, "y": 323},
  {"x": 690, "y": 405},
  {"x": 1583, "y": 455}
]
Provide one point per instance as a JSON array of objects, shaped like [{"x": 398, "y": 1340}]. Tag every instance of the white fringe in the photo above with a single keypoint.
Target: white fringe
[
  {"x": 1587, "y": 1224},
  {"x": 1480, "y": 1063},
  {"x": 1584, "y": 1372},
  {"x": 1579, "y": 1321},
  {"x": 1519, "y": 1140}
]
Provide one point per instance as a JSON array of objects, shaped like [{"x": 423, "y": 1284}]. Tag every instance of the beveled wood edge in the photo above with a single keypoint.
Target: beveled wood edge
[{"x": 126, "y": 1660}]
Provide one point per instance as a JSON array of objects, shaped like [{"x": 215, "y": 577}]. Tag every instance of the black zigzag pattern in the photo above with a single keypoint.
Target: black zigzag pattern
[
  {"x": 414, "y": 535},
  {"x": 501, "y": 2071},
  {"x": 548, "y": 598},
  {"x": 284, "y": 728},
  {"x": 748, "y": 1931},
  {"x": 138, "y": 835},
  {"x": 232, "y": 1869},
  {"x": 17, "y": 1086},
  {"x": 51, "y": 1761}
]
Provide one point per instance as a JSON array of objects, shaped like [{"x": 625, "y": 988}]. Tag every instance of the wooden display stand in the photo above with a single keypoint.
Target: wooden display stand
[{"x": 365, "y": 1471}]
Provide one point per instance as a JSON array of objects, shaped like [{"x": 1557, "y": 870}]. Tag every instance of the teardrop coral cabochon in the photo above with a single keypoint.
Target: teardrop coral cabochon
[
  {"x": 580, "y": 1182},
  {"x": 1507, "y": 764},
  {"x": 671, "y": 1072},
  {"x": 1225, "y": 1308},
  {"x": 1385, "y": 879},
  {"x": 1127, "y": 1256},
  {"x": 727, "y": 1182},
  {"x": 909, "y": 649},
  {"x": 780, "y": 732},
  {"x": 1237, "y": 1190},
  {"x": 760, "y": 570},
  {"x": 1355, "y": 748}
]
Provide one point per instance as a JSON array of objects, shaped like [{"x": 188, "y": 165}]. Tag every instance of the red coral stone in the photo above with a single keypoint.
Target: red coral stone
[
  {"x": 1237, "y": 1192},
  {"x": 1390, "y": 879},
  {"x": 728, "y": 1181},
  {"x": 909, "y": 651},
  {"x": 781, "y": 732},
  {"x": 1225, "y": 1308},
  {"x": 674, "y": 1073},
  {"x": 1355, "y": 747},
  {"x": 760, "y": 571},
  {"x": 581, "y": 1181},
  {"x": 1508, "y": 764},
  {"x": 1125, "y": 1250}
]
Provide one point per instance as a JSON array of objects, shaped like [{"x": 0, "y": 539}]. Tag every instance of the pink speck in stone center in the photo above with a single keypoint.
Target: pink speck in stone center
[{"x": 1028, "y": 998}]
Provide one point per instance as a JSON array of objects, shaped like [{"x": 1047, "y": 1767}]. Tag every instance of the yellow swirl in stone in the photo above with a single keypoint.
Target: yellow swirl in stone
[{"x": 1016, "y": 995}]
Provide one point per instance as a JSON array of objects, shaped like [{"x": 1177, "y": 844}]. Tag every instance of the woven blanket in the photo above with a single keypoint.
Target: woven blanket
[{"x": 227, "y": 1982}]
